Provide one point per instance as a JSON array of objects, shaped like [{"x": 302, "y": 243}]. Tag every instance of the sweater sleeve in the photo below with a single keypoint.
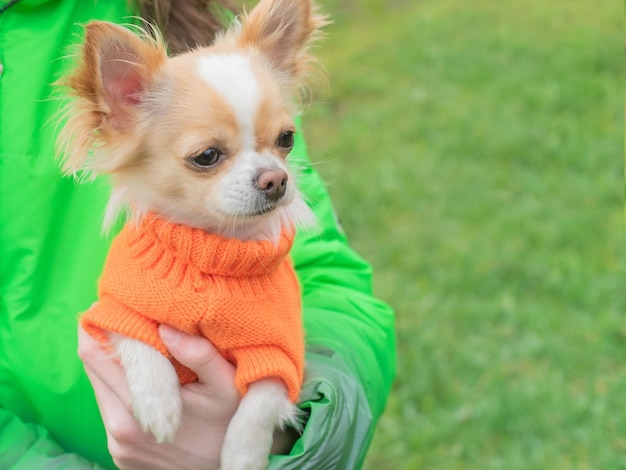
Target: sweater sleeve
[
  {"x": 350, "y": 339},
  {"x": 25, "y": 446}
]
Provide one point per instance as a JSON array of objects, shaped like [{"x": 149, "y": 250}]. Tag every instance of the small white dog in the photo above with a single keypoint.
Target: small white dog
[{"x": 195, "y": 146}]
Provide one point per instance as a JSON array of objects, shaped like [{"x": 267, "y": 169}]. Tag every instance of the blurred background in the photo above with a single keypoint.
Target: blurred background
[{"x": 472, "y": 152}]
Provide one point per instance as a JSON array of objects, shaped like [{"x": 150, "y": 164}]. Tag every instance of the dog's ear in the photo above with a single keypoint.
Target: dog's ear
[
  {"x": 116, "y": 68},
  {"x": 283, "y": 30}
]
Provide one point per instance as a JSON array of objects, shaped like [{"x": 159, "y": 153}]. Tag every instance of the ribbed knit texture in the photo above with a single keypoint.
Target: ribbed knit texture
[{"x": 242, "y": 296}]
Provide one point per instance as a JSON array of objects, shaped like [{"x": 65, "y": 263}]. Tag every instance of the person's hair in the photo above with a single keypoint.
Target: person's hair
[{"x": 186, "y": 24}]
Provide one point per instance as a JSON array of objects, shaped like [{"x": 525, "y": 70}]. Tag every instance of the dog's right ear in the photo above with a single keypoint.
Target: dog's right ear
[
  {"x": 116, "y": 68},
  {"x": 283, "y": 30}
]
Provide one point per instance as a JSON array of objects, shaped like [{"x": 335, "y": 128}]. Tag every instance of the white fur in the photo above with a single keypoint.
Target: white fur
[
  {"x": 238, "y": 193},
  {"x": 231, "y": 76},
  {"x": 237, "y": 186},
  {"x": 153, "y": 386},
  {"x": 248, "y": 439}
]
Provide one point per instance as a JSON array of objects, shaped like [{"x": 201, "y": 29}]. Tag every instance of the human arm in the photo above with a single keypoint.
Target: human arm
[{"x": 350, "y": 358}]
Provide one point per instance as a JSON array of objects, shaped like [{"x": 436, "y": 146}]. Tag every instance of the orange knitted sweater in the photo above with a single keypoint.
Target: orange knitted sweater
[{"x": 241, "y": 296}]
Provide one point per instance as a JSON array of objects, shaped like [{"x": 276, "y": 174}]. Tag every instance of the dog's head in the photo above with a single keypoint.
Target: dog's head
[{"x": 200, "y": 138}]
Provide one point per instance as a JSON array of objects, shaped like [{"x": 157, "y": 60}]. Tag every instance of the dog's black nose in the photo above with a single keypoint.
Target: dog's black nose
[{"x": 273, "y": 183}]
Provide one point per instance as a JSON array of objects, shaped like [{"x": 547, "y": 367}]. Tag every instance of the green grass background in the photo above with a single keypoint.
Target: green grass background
[{"x": 472, "y": 152}]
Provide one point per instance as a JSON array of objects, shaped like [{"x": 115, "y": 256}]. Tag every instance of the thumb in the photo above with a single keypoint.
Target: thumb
[{"x": 199, "y": 355}]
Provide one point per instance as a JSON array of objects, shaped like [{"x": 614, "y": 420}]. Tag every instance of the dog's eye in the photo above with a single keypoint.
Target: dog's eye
[
  {"x": 207, "y": 158},
  {"x": 285, "y": 140}
]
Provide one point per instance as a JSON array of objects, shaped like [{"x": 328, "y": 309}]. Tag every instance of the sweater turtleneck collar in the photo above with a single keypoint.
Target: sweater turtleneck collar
[{"x": 212, "y": 254}]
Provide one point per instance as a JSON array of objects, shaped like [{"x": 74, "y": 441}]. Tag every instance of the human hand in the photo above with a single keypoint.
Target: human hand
[{"x": 208, "y": 405}]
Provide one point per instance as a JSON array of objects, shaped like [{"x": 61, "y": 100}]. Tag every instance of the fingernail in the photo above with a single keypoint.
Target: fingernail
[{"x": 169, "y": 334}]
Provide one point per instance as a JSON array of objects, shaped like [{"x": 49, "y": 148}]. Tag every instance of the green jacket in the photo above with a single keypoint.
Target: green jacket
[{"x": 52, "y": 252}]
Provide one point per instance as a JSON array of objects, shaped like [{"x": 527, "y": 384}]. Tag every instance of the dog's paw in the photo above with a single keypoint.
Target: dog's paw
[
  {"x": 159, "y": 413},
  {"x": 248, "y": 439},
  {"x": 250, "y": 433},
  {"x": 154, "y": 388}
]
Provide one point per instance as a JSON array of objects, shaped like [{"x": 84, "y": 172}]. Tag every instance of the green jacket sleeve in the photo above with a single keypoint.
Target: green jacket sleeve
[
  {"x": 26, "y": 446},
  {"x": 350, "y": 360}
]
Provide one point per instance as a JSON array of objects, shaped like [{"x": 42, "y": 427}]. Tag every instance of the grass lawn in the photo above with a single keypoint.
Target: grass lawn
[{"x": 472, "y": 151}]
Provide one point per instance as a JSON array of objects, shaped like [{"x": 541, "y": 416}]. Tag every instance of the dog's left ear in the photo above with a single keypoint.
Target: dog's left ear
[
  {"x": 115, "y": 69},
  {"x": 283, "y": 30},
  {"x": 118, "y": 67}
]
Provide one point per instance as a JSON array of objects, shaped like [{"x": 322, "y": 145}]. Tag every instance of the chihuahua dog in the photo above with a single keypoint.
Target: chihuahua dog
[{"x": 195, "y": 146}]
